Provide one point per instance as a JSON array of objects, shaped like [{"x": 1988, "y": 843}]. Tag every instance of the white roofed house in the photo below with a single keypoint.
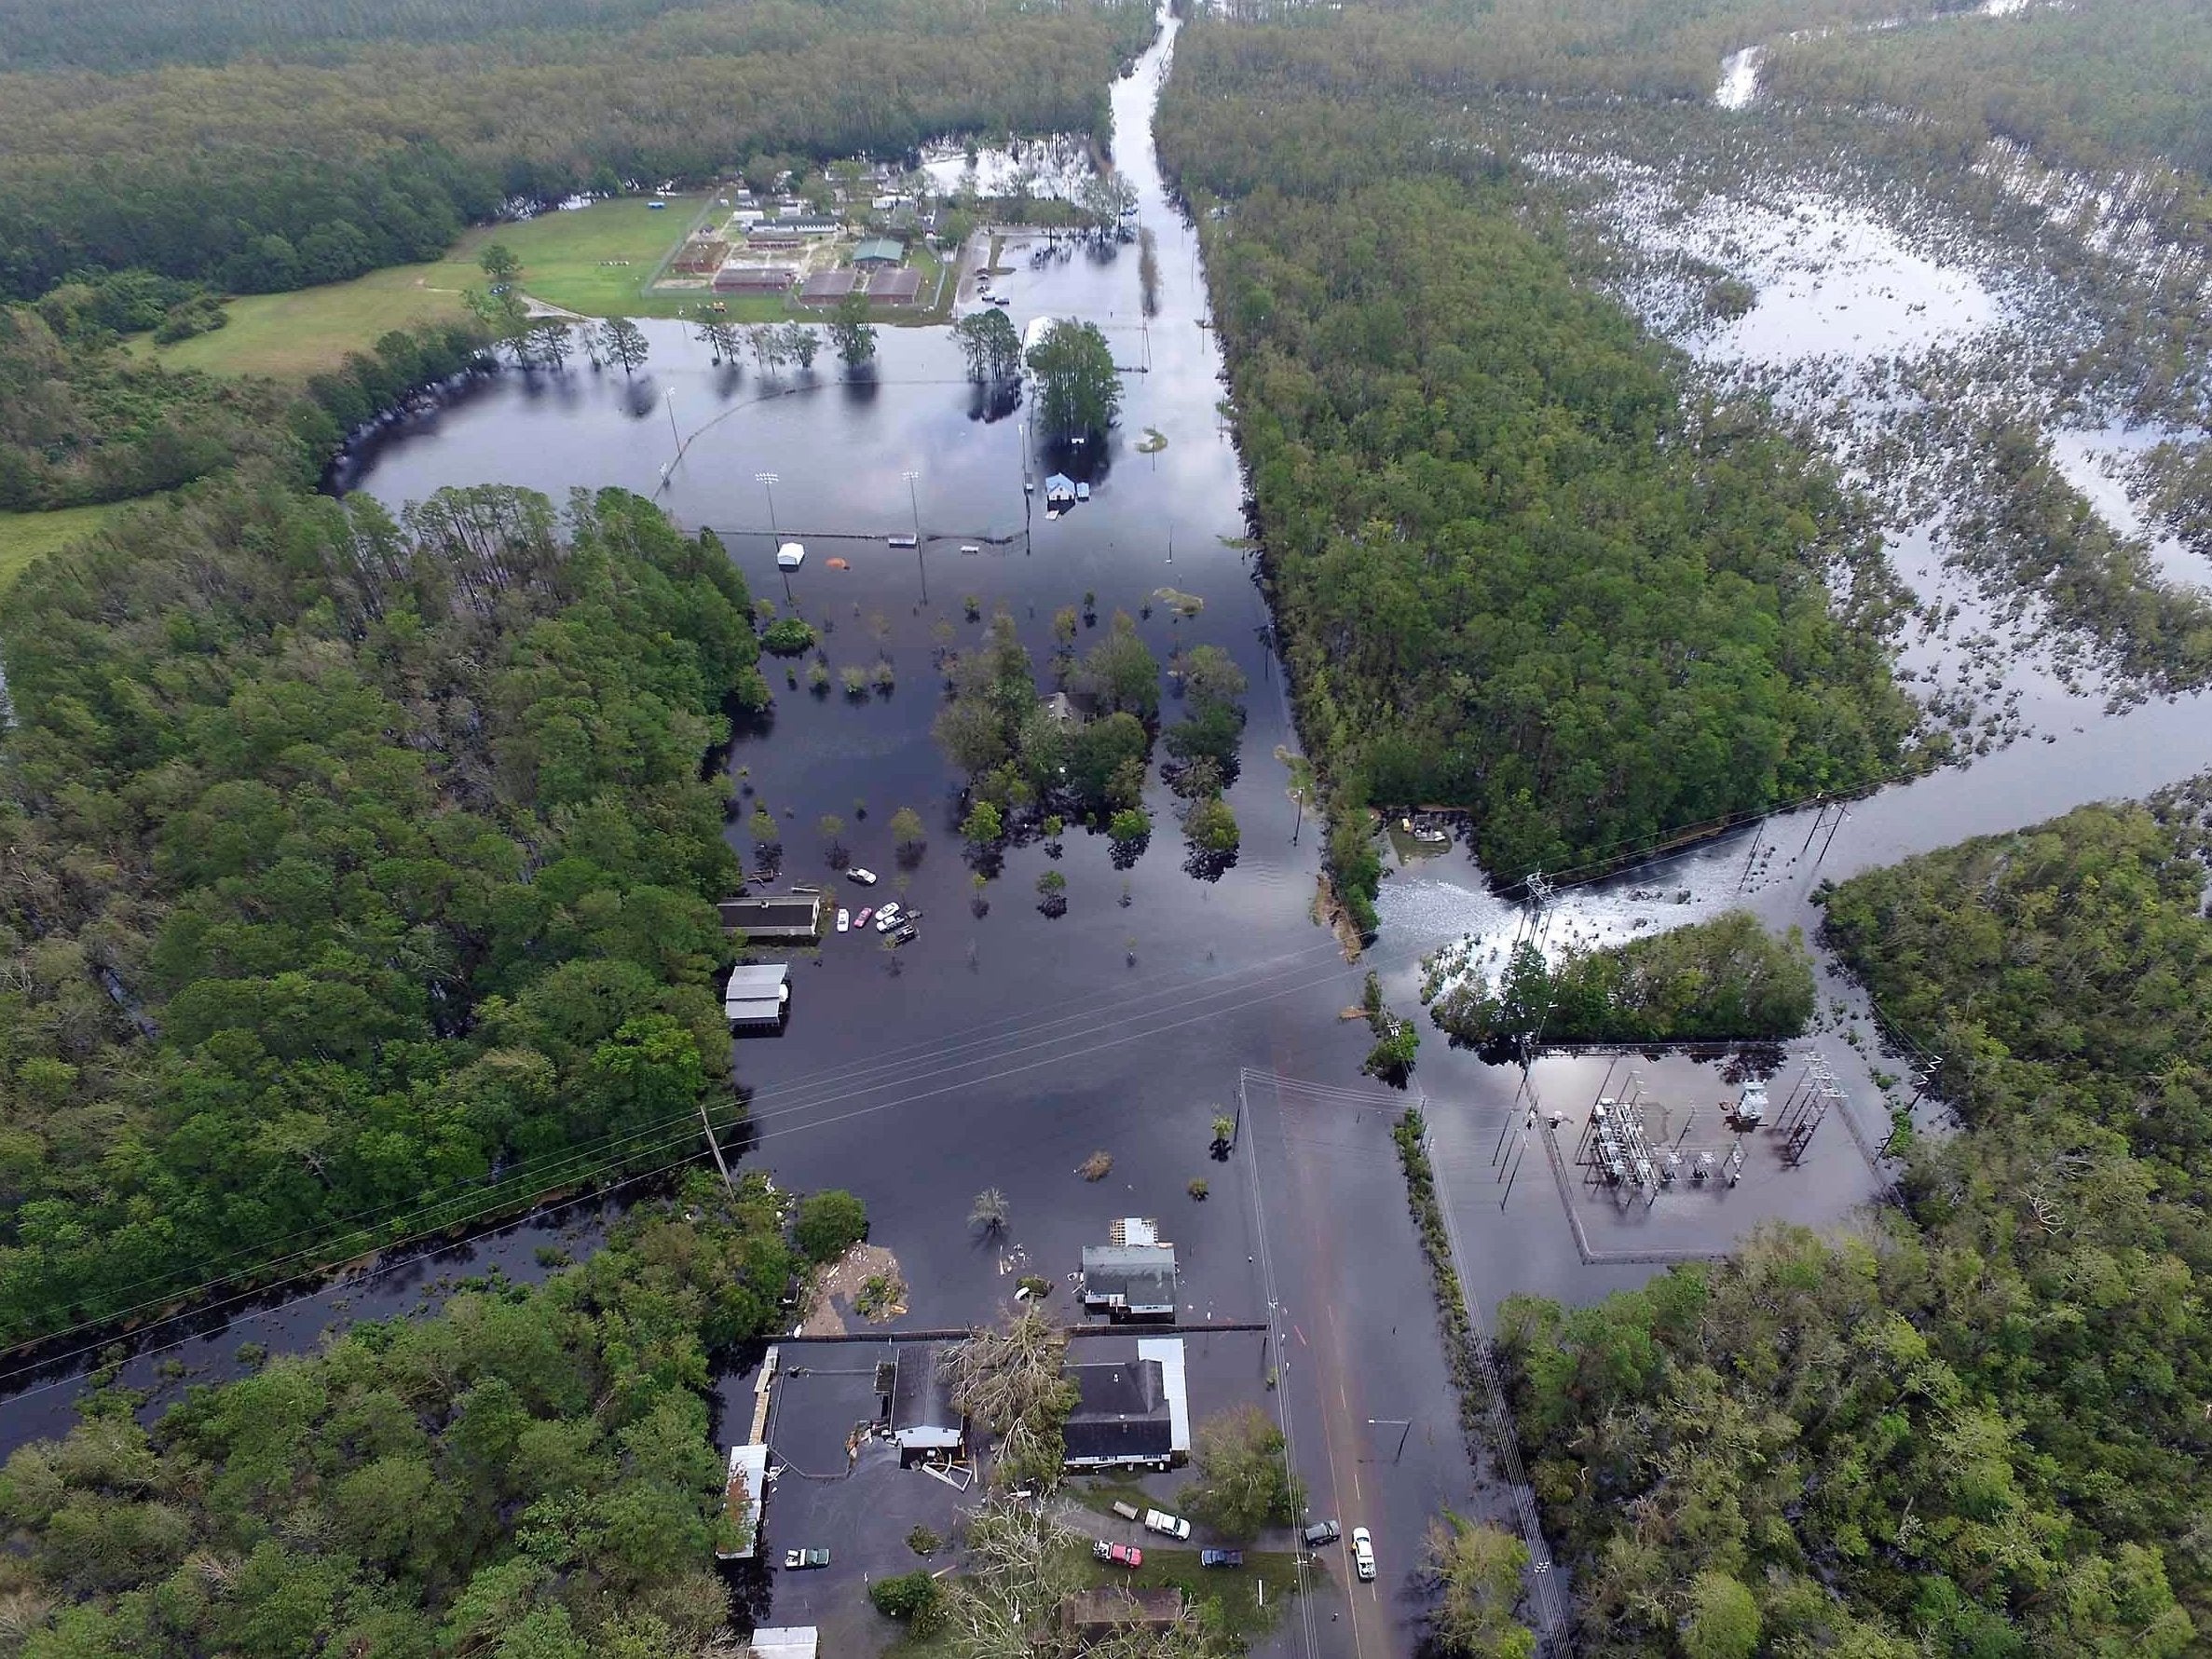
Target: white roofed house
[{"x": 756, "y": 994}]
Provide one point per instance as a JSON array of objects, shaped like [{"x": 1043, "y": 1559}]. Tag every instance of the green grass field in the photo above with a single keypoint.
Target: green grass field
[
  {"x": 565, "y": 261},
  {"x": 595, "y": 261},
  {"x": 25, "y": 536}
]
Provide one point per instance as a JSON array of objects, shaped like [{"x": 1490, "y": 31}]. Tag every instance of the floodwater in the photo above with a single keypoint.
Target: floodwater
[{"x": 1005, "y": 1045}]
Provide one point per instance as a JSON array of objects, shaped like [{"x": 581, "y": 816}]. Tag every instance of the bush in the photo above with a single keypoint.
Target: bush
[
  {"x": 829, "y": 1223},
  {"x": 913, "y": 1597},
  {"x": 1211, "y": 827},
  {"x": 787, "y": 637}
]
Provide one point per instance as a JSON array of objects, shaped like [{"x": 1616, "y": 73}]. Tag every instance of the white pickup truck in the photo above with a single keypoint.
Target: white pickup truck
[{"x": 1173, "y": 1526}]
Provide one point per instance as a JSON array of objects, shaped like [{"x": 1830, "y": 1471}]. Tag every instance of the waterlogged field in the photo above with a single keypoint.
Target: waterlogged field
[{"x": 1949, "y": 367}]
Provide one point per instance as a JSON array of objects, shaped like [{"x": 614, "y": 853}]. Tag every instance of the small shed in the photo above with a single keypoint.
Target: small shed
[
  {"x": 875, "y": 251},
  {"x": 1112, "y": 1609},
  {"x": 1059, "y": 490},
  {"x": 924, "y": 1423},
  {"x": 791, "y": 555},
  {"x": 757, "y": 994},
  {"x": 785, "y": 1641}
]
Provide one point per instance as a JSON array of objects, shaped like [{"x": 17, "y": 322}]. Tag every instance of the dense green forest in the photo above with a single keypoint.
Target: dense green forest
[
  {"x": 1601, "y": 48},
  {"x": 110, "y": 34},
  {"x": 1978, "y": 1424},
  {"x": 359, "y": 875},
  {"x": 1519, "y": 567},
  {"x": 1722, "y": 980},
  {"x": 2098, "y": 84},
  {"x": 264, "y": 174},
  {"x": 528, "y": 1474}
]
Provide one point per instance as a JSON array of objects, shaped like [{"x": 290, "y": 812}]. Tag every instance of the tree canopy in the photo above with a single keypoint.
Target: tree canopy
[
  {"x": 360, "y": 875},
  {"x": 1520, "y": 565},
  {"x": 528, "y": 1471},
  {"x": 1976, "y": 1425}
]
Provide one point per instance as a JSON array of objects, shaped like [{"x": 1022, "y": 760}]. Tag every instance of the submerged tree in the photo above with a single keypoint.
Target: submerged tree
[
  {"x": 851, "y": 333},
  {"x": 624, "y": 342},
  {"x": 986, "y": 338},
  {"x": 987, "y": 1215},
  {"x": 1078, "y": 387}
]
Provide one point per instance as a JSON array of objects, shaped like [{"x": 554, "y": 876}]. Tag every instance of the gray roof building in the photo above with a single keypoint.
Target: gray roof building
[
  {"x": 923, "y": 1420},
  {"x": 824, "y": 286},
  {"x": 782, "y": 917},
  {"x": 1129, "y": 1281},
  {"x": 900, "y": 287},
  {"x": 1130, "y": 1412}
]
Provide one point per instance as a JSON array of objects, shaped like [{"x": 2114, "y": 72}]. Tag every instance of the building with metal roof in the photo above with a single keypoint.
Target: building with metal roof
[
  {"x": 900, "y": 287},
  {"x": 828, "y": 287},
  {"x": 1059, "y": 490},
  {"x": 754, "y": 278},
  {"x": 880, "y": 250},
  {"x": 784, "y": 1641},
  {"x": 756, "y": 994},
  {"x": 782, "y": 918}
]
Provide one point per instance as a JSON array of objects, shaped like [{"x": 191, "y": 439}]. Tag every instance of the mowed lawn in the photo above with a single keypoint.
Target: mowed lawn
[
  {"x": 594, "y": 259},
  {"x": 25, "y": 536}
]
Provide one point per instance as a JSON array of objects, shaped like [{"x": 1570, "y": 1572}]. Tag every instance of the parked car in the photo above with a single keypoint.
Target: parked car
[
  {"x": 797, "y": 1561},
  {"x": 866, "y": 877},
  {"x": 1127, "y": 1511},
  {"x": 844, "y": 918},
  {"x": 860, "y": 921},
  {"x": 887, "y": 917},
  {"x": 904, "y": 935},
  {"x": 1321, "y": 1533},
  {"x": 1159, "y": 1521},
  {"x": 1363, "y": 1552},
  {"x": 1221, "y": 1557},
  {"x": 1121, "y": 1555}
]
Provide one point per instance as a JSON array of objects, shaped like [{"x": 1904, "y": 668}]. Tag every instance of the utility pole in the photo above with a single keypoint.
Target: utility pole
[
  {"x": 715, "y": 1146},
  {"x": 915, "y": 502},
  {"x": 767, "y": 481},
  {"x": 668, "y": 403}
]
